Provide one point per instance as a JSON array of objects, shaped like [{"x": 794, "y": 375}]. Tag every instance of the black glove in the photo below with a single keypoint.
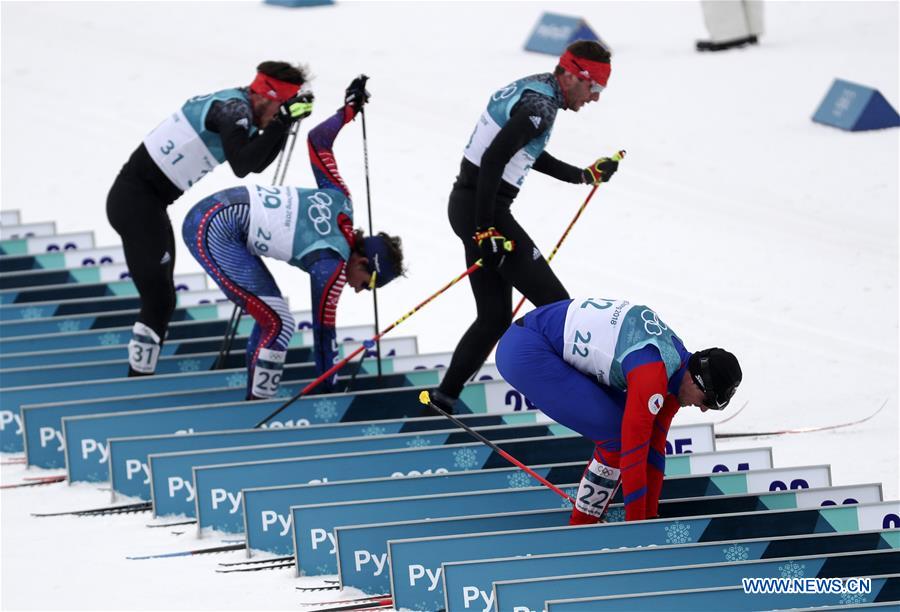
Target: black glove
[
  {"x": 297, "y": 108},
  {"x": 600, "y": 171},
  {"x": 493, "y": 246},
  {"x": 356, "y": 95}
]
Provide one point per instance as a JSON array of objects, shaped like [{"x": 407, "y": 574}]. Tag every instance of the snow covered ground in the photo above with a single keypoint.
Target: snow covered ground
[{"x": 743, "y": 223}]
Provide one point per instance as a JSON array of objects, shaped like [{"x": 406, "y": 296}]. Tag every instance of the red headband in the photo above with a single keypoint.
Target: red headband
[
  {"x": 272, "y": 88},
  {"x": 584, "y": 68}
]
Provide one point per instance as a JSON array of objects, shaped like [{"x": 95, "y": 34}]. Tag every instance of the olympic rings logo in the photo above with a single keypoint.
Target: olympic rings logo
[
  {"x": 652, "y": 324},
  {"x": 504, "y": 93},
  {"x": 319, "y": 212}
]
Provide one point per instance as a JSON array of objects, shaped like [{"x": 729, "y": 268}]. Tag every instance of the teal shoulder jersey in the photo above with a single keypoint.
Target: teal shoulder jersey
[
  {"x": 286, "y": 223},
  {"x": 181, "y": 145},
  {"x": 495, "y": 117},
  {"x": 599, "y": 333}
]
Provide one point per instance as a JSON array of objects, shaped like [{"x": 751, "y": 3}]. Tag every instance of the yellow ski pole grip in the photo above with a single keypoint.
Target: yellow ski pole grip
[{"x": 424, "y": 398}]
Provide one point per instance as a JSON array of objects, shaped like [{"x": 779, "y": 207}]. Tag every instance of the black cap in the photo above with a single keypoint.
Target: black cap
[{"x": 717, "y": 373}]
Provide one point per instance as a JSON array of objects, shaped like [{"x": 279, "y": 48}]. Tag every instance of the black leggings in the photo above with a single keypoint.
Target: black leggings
[
  {"x": 492, "y": 289},
  {"x": 139, "y": 215}
]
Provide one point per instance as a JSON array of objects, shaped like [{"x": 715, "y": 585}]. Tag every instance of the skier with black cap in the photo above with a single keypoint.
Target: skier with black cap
[
  {"x": 617, "y": 374},
  {"x": 230, "y": 231}
]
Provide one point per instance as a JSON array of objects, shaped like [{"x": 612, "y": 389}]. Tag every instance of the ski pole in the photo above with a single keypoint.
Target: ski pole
[
  {"x": 229, "y": 338},
  {"x": 365, "y": 140},
  {"x": 368, "y": 344},
  {"x": 425, "y": 398},
  {"x": 617, "y": 157},
  {"x": 285, "y": 154},
  {"x": 226, "y": 342},
  {"x": 359, "y": 368},
  {"x": 290, "y": 151}
]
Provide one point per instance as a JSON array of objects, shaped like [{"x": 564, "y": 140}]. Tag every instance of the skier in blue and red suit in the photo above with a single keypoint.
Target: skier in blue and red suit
[
  {"x": 230, "y": 231},
  {"x": 615, "y": 373}
]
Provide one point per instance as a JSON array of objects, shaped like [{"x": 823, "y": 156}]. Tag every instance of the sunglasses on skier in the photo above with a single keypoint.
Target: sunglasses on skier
[{"x": 595, "y": 86}]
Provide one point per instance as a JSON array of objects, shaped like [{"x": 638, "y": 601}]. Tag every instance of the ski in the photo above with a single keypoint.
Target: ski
[
  {"x": 330, "y": 585},
  {"x": 371, "y": 604},
  {"x": 256, "y": 568},
  {"x": 176, "y": 524},
  {"x": 346, "y": 601},
  {"x": 35, "y": 481},
  {"x": 102, "y": 511},
  {"x": 14, "y": 461},
  {"x": 800, "y": 430},
  {"x": 189, "y": 553},
  {"x": 257, "y": 561}
]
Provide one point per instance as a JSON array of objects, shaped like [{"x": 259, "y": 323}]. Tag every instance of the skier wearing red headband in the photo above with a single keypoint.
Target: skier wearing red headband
[
  {"x": 508, "y": 141},
  {"x": 247, "y": 127}
]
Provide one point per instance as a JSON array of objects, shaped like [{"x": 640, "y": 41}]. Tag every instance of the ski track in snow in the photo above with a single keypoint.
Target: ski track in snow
[{"x": 740, "y": 221}]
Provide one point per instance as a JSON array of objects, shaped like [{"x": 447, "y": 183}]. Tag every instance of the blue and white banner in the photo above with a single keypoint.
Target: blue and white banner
[
  {"x": 171, "y": 482},
  {"x": 431, "y": 552},
  {"x": 267, "y": 517},
  {"x": 43, "y": 244},
  {"x": 70, "y": 291},
  {"x": 530, "y": 594}
]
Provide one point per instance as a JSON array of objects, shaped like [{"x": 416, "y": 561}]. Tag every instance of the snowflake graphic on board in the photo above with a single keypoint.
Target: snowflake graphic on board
[
  {"x": 325, "y": 410},
  {"x": 736, "y": 552},
  {"x": 189, "y": 365},
  {"x": 465, "y": 459},
  {"x": 678, "y": 533},
  {"x": 418, "y": 442},
  {"x": 571, "y": 492},
  {"x": 284, "y": 392},
  {"x": 792, "y": 569},
  {"x": 238, "y": 379},
  {"x": 519, "y": 480},
  {"x": 68, "y": 326},
  {"x": 32, "y": 312},
  {"x": 374, "y": 430},
  {"x": 109, "y": 339},
  {"x": 848, "y": 599},
  {"x": 615, "y": 515}
]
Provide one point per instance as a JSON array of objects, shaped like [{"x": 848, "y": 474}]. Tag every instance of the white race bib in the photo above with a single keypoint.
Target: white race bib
[
  {"x": 485, "y": 131},
  {"x": 143, "y": 349},
  {"x": 273, "y": 220},
  {"x": 267, "y": 373},
  {"x": 598, "y": 485},
  {"x": 179, "y": 151},
  {"x": 590, "y": 334}
]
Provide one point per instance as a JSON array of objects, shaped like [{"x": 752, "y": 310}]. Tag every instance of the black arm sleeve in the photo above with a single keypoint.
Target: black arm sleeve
[
  {"x": 245, "y": 153},
  {"x": 511, "y": 137},
  {"x": 549, "y": 165}
]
